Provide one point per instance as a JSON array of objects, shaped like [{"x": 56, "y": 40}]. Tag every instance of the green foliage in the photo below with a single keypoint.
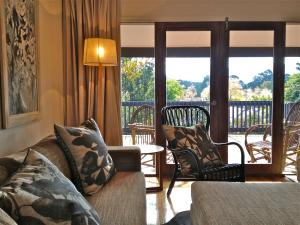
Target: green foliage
[
  {"x": 266, "y": 85},
  {"x": 260, "y": 79},
  {"x": 174, "y": 90},
  {"x": 236, "y": 92},
  {"x": 132, "y": 68},
  {"x": 138, "y": 84},
  {"x": 137, "y": 79},
  {"x": 199, "y": 86},
  {"x": 261, "y": 98},
  {"x": 292, "y": 88}
]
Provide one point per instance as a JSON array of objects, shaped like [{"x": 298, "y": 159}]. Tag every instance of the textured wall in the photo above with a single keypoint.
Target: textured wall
[
  {"x": 209, "y": 10},
  {"x": 51, "y": 82}
]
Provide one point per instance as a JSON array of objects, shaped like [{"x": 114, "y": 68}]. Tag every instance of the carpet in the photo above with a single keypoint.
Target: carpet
[{"x": 182, "y": 218}]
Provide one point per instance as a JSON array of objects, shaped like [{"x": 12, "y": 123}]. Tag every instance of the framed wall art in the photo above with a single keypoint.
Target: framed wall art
[{"x": 19, "y": 61}]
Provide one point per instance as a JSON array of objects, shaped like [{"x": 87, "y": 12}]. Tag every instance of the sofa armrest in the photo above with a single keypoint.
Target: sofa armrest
[{"x": 126, "y": 158}]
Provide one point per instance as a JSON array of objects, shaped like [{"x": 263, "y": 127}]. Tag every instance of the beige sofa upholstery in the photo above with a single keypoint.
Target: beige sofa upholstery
[
  {"x": 223, "y": 203},
  {"x": 122, "y": 201}
]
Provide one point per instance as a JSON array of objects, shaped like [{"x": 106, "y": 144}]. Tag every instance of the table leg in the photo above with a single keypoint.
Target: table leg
[{"x": 158, "y": 175}]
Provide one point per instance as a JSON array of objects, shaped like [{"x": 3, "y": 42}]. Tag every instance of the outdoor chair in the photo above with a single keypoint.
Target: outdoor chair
[
  {"x": 181, "y": 117},
  {"x": 142, "y": 125},
  {"x": 142, "y": 131},
  {"x": 259, "y": 149},
  {"x": 263, "y": 149}
]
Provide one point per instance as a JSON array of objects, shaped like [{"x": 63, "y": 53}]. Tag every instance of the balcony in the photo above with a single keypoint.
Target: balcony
[{"x": 241, "y": 116}]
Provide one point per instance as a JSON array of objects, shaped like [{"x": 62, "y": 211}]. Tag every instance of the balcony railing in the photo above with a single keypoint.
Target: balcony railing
[{"x": 242, "y": 114}]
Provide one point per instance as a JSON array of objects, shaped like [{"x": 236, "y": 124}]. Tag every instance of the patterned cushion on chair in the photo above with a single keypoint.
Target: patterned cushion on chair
[
  {"x": 38, "y": 193},
  {"x": 87, "y": 155},
  {"x": 197, "y": 139}
]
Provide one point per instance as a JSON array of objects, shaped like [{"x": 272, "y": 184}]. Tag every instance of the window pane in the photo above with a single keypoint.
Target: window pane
[
  {"x": 250, "y": 98},
  {"x": 187, "y": 69}
]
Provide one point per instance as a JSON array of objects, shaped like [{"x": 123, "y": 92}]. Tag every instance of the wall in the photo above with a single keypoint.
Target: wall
[
  {"x": 209, "y": 10},
  {"x": 51, "y": 78}
]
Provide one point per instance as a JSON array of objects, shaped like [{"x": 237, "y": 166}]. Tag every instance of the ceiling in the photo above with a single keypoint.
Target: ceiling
[{"x": 209, "y": 10}]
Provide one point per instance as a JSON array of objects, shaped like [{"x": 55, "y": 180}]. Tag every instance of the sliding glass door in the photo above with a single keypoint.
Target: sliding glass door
[
  {"x": 236, "y": 70},
  {"x": 255, "y": 93}
]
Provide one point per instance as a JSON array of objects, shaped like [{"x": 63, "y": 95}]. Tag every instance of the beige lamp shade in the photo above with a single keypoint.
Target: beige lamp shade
[{"x": 99, "y": 52}]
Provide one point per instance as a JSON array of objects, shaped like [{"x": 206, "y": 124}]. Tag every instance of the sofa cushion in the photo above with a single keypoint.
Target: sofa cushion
[
  {"x": 49, "y": 147},
  {"x": 122, "y": 201},
  {"x": 196, "y": 139},
  {"x": 6, "y": 219},
  {"x": 40, "y": 194},
  {"x": 87, "y": 154},
  {"x": 223, "y": 203}
]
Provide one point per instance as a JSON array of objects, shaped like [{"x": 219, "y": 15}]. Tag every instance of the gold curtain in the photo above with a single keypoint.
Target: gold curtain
[{"x": 89, "y": 92}]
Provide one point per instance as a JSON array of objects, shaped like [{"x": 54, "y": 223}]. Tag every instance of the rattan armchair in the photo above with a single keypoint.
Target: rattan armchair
[
  {"x": 259, "y": 149},
  {"x": 187, "y": 116},
  {"x": 263, "y": 149},
  {"x": 142, "y": 130},
  {"x": 142, "y": 125}
]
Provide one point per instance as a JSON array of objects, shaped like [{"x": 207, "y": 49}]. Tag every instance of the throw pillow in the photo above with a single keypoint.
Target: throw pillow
[
  {"x": 6, "y": 219},
  {"x": 10, "y": 164},
  {"x": 39, "y": 194},
  {"x": 197, "y": 139},
  {"x": 87, "y": 155}
]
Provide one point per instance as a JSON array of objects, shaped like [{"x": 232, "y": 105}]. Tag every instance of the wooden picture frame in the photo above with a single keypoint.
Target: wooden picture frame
[{"x": 19, "y": 60}]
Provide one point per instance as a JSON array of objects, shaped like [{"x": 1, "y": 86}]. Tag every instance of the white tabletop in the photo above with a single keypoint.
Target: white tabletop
[{"x": 150, "y": 149}]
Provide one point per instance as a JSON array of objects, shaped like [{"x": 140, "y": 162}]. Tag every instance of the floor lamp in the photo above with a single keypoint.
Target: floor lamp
[{"x": 99, "y": 52}]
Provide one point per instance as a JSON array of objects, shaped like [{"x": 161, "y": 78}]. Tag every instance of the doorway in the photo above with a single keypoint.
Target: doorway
[{"x": 213, "y": 45}]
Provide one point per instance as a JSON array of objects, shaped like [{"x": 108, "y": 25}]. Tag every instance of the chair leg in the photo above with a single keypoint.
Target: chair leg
[
  {"x": 171, "y": 186},
  {"x": 172, "y": 181}
]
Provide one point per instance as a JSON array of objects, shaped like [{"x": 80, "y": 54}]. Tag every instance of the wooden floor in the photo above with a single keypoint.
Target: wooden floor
[{"x": 161, "y": 209}]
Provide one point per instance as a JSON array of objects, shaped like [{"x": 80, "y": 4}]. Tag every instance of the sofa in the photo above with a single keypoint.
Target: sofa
[
  {"x": 222, "y": 203},
  {"x": 122, "y": 201}
]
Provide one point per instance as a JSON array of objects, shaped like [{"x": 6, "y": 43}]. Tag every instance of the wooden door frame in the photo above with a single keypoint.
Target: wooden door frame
[
  {"x": 217, "y": 67},
  {"x": 219, "y": 97}
]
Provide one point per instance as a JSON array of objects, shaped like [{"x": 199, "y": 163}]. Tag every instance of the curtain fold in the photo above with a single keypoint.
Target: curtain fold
[{"x": 90, "y": 92}]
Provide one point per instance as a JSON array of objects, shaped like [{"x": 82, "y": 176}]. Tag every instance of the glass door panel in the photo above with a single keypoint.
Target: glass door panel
[
  {"x": 291, "y": 96},
  {"x": 187, "y": 70},
  {"x": 250, "y": 95},
  {"x": 137, "y": 82}
]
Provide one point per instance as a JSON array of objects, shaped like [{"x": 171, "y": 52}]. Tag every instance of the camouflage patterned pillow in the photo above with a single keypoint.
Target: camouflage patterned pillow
[
  {"x": 6, "y": 219},
  {"x": 87, "y": 155},
  {"x": 10, "y": 164},
  {"x": 197, "y": 139},
  {"x": 40, "y": 194}
]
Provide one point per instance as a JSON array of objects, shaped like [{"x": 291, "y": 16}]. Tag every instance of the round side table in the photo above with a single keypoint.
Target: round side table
[{"x": 155, "y": 150}]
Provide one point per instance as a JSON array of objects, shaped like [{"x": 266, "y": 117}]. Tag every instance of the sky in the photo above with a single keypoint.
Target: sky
[{"x": 194, "y": 69}]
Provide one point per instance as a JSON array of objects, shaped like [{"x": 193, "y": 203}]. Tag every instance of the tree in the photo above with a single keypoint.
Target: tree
[
  {"x": 266, "y": 85},
  {"x": 190, "y": 92},
  {"x": 137, "y": 79},
  {"x": 292, "y": 88},
  {"x": 259, "y": 94},
  {"x": 260, "y": 79},
  {"x": 199, "y": 86},
  {"x": 174, "y": 90},
  {"x": 205, "y": 94},
  {"x": 236, "y": 92}
]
